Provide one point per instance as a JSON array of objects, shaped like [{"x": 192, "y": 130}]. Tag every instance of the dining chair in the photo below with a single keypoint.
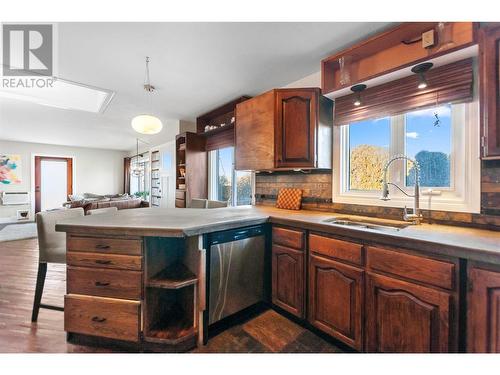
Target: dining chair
[
  {"x": 51, "y": 249},
  {"x": 216, "y": 204},
  {"x": 198, "y": 203},
  {"x": 99, "y": 211}
]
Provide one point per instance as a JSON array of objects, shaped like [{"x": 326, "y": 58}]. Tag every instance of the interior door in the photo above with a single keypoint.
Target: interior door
[
  {"x": 53, "y": 182},
  {"x": 296, "y": 128}
]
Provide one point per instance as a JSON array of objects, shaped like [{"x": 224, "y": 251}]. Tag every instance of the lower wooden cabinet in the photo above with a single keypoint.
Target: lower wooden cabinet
[
  {"x": 103, "y": 317},
  {"x": 336, "y": 300},
  {"x": 288, "y": 279},
  {"x": 403, "y": 317},
  {"x": 483, "y": 314}
]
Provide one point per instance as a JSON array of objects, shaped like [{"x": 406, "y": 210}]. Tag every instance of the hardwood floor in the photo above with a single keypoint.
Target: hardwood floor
[{"x": 268, "y": 332}]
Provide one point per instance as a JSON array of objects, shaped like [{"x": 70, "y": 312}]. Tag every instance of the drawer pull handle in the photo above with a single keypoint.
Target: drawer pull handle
[
  {"x": 98, "y": 320},
  {"x": 100, "y": 261},
  {"x": 99, "y": 283},
  {"x": 103, "y": 247}
]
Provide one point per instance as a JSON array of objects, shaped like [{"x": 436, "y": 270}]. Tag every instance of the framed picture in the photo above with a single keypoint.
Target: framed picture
[{"x": 10, "y": 169}]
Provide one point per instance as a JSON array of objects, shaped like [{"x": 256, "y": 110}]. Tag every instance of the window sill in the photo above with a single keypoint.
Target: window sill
[{"x": 437, "y": 203}]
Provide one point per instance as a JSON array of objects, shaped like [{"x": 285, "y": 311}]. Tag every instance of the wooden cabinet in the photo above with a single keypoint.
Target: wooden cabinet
[
  {"x": 288, "y": 283},
  {"x": 103, "y": 317},
  {"x": 284, "y": 129},
  {"x": 489, "y": 62},
  {"x": 404, "y": 317},
  {"x": 295, "y": 128},
  {"x": 191, "y": 168},
  {"x": 392, "y": 50},
  {"x": 336, "y": 300},
  {"x": 483, "y": 313},
  {"x": 104, "y": 287}
]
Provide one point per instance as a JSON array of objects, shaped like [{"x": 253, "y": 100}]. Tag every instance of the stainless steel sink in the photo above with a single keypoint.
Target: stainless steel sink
[{"x": 368, "y": 224}]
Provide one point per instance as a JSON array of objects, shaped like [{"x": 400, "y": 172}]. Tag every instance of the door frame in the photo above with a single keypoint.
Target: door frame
[{"x": 36, "y": 177}]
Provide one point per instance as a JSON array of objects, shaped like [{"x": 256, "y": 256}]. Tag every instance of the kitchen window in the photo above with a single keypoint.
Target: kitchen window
[
  {"x": 225, "y": 183},
  {"x": 444, "y": 141}
]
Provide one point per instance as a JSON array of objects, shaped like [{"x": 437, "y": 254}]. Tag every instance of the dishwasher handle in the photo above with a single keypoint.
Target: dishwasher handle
[{"x": 236, "y": 234}]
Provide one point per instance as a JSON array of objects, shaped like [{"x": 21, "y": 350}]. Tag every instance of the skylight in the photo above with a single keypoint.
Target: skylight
[{"x": 59, "y": 93}]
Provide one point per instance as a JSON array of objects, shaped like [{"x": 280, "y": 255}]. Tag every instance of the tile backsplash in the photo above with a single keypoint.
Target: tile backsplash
[{"x": 317, "y": 188}]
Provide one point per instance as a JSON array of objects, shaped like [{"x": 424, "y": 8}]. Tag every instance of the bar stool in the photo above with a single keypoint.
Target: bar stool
[{"x": 51, "y": 248}]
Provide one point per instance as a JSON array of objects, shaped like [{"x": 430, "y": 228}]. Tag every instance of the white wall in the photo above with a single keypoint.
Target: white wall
[
  {"x": 312, "y": 80},
  {"x": 94, "y": 170}
]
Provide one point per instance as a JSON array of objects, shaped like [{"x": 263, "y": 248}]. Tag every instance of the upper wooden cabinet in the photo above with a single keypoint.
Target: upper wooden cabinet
[
  {"x": 394, "y": 49},
  {"x": 483, "y": 314},
  {"x": 284, "y": 129},
  {"x": 489, "y": 62}
]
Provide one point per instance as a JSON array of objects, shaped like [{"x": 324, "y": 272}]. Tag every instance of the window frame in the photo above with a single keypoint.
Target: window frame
[
  {"x": 464, "y": 192},
  {"x": 213, "y": 169}
]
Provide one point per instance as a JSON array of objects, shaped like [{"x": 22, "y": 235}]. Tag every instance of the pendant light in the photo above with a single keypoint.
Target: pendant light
[
  {"x": 358, "y": 89},
  {"x": 421, "y": 69},
  {"x": 147, "y": 123}
]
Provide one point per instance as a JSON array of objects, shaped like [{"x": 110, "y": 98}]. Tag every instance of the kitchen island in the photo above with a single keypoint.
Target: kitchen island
[{"x": 139, "y": 276}]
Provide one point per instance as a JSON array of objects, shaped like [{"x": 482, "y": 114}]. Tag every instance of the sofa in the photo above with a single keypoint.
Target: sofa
[{"x": 89, "y": 201}]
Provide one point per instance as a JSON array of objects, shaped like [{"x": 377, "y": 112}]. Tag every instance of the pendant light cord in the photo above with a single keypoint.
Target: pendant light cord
[{"x": 148, "y": 87}]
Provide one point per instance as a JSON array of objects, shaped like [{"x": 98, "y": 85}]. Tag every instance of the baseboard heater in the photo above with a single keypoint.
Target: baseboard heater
[{"x": 15, "y": 198}]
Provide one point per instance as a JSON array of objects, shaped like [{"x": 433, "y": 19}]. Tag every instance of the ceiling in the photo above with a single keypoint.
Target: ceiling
[{"x": 194, "y": 66}]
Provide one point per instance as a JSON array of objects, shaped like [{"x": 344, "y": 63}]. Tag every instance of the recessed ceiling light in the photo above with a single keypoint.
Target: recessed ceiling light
[{"x": 62, "y": 94}]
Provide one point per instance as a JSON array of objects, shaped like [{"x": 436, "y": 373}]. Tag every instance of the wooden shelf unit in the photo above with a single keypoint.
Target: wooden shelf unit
[
  {"x": 171, "y": 292},
  {"x": 175, "y": 276},
  {"x": 391, "y": 50},
  {"x": 218, "y": 116},
  {"x": 155, "y": 163},
  {"x": 191, "y": 168}
]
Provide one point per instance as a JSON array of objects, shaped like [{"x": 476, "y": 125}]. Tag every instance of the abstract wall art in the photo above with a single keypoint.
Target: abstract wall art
[{"x": 10, "y": 169}]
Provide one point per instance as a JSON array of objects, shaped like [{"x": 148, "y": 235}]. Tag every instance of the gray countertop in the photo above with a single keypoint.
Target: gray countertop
[{"x": 469, "y": 243}]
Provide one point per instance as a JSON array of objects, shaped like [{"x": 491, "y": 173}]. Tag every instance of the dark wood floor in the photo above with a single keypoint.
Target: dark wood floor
[{"x": 268, "y": 332}]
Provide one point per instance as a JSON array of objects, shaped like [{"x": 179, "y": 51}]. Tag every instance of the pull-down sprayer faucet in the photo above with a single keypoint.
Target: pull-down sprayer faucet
[{"x": 416, "y": 216}]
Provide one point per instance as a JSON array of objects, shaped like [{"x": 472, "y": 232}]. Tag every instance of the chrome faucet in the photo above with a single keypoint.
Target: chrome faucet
[{"x": 416, "y": 216}]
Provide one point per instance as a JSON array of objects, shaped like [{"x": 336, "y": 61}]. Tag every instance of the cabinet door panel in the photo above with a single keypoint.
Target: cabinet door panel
[
  {"x": 406, "y": 318},
  {"x": 489, "y": 58},
  {"x": 335, "y": 300},
  {"x": 483, "y": 311},
  {"x": 288, "y": 280},
  {"x": 296, "y": 128}
]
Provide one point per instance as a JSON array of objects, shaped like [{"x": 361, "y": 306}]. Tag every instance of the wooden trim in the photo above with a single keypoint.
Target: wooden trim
[
  {"x": 448, "y": 83},
  {"x": 38, "y": 177}
]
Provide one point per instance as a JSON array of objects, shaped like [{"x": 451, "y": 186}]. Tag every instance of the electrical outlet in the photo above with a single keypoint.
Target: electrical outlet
[{"x": 428, "y": 39}]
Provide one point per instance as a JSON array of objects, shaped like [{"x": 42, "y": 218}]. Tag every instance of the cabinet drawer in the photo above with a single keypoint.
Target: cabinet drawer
[
  {"x": 180, "y": 194},
  {"x": 288, "y": 237},
  {"x": 425, "y": 270},
  {"x": 180, "y": 203},
  {"x": 342, "y": 250},
  {"x": 104, "y": 245},
  {"x": 115, "y": 261},
  {"x": 104, "y": 283},
  {"x": 104, "y": 317}
]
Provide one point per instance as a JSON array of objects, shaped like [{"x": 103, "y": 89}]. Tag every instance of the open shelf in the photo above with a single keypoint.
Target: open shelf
[
  {"x": 172, "y": 332},
  {"x": 173, "y": 277}
]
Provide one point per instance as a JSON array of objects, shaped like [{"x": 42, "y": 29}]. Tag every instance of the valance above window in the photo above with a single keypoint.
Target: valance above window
[{"x": 446, "y": 84}]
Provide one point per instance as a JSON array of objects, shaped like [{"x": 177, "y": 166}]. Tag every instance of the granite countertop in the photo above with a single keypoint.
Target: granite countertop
[{"x": 469, "y": 243}]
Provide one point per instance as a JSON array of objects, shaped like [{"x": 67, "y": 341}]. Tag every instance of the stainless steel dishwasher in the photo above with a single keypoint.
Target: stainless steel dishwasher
[{"x": 237, "y": 273}]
